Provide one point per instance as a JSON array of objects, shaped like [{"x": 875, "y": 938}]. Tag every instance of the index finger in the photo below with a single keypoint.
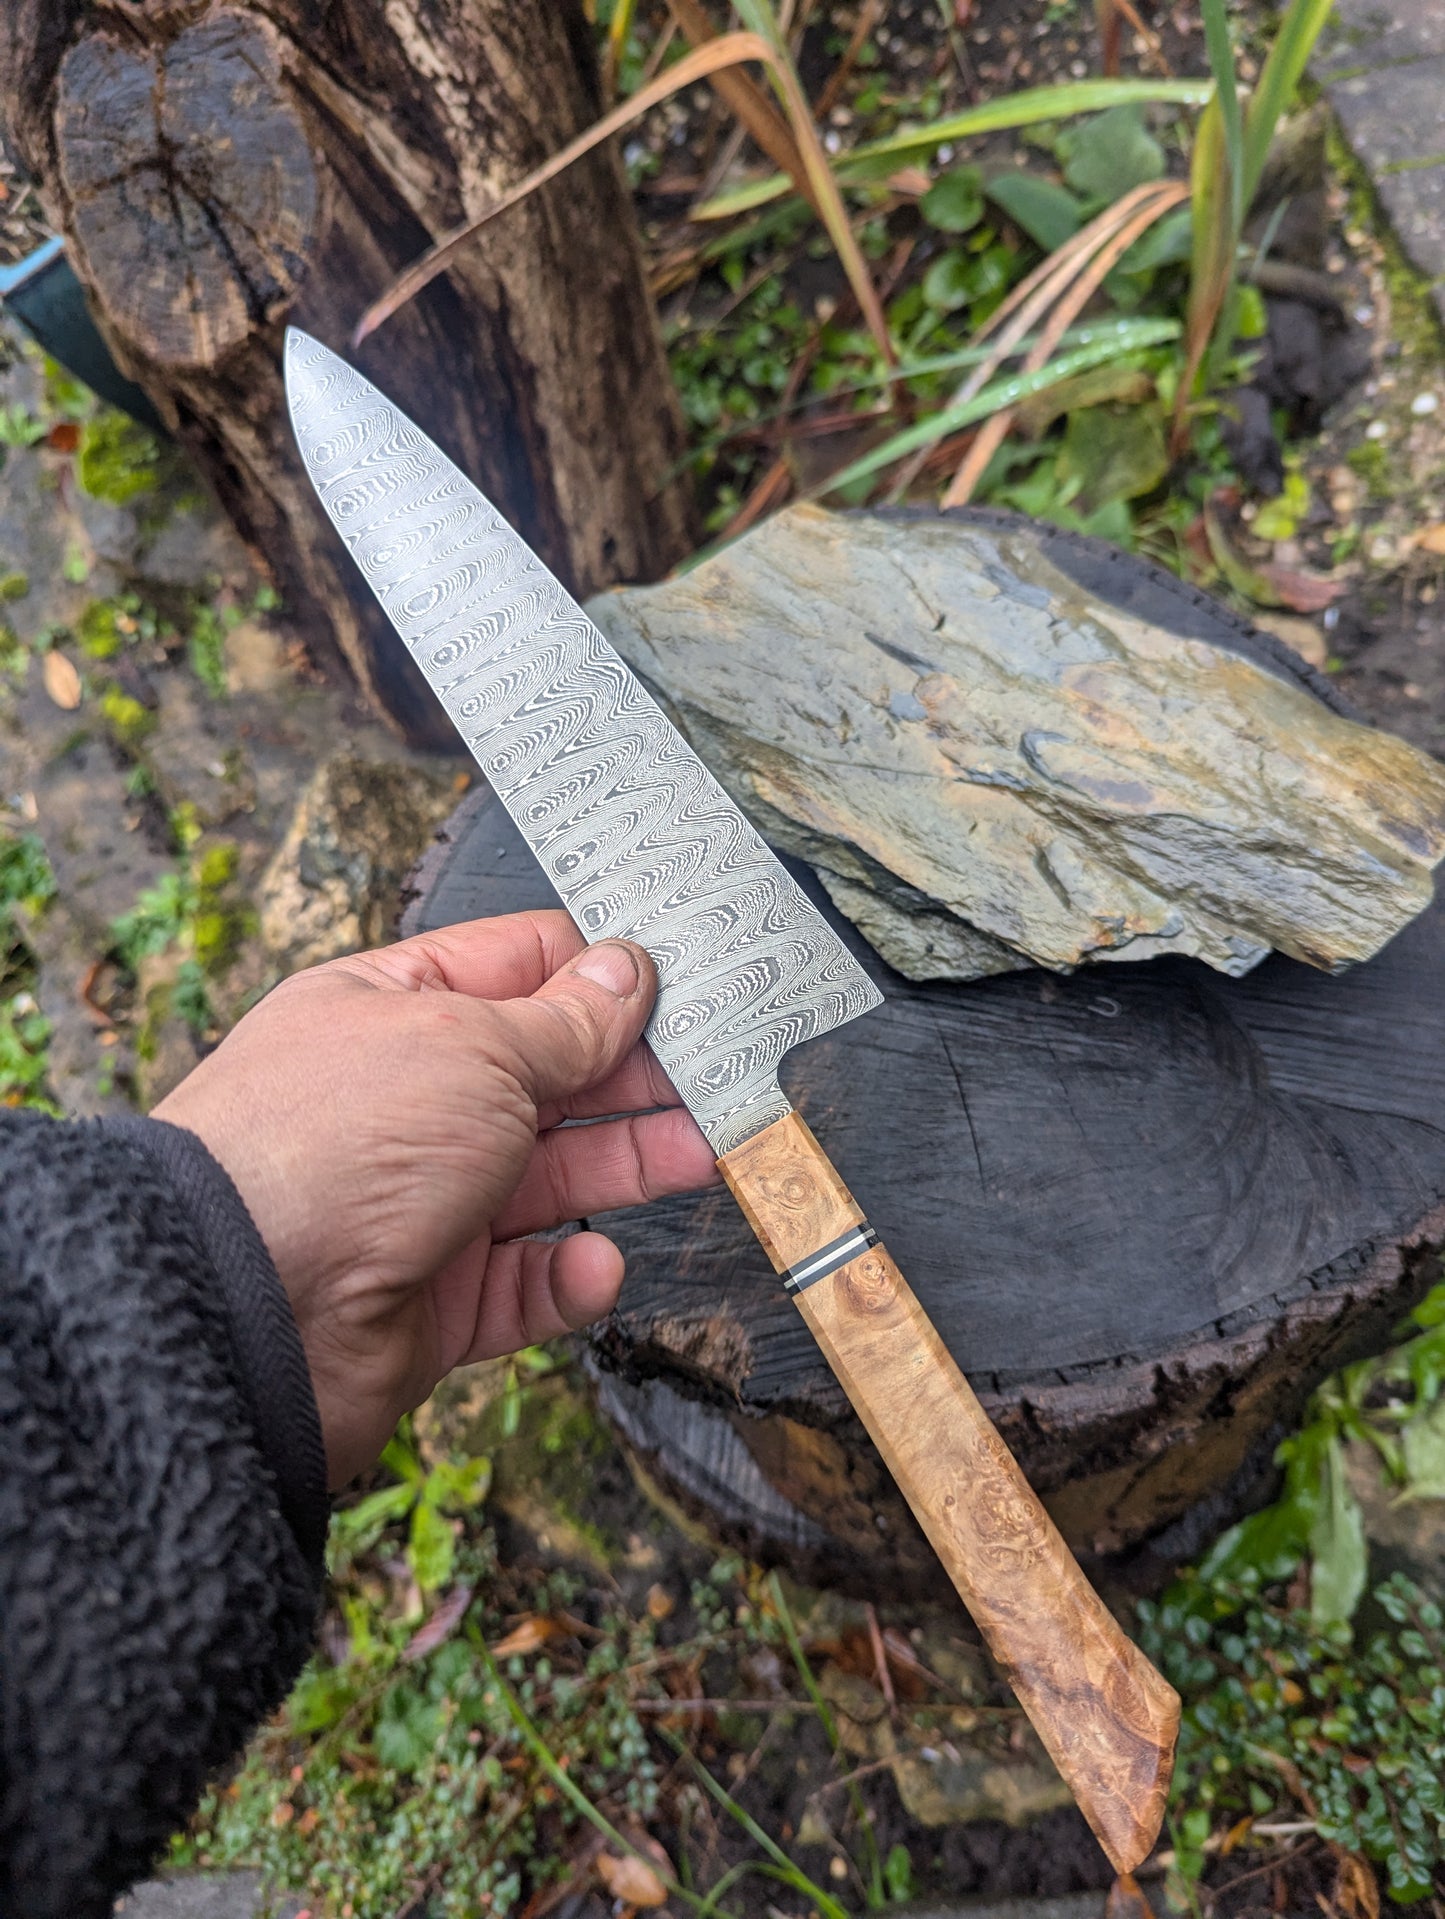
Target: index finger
[{"x": 504, "y": 958}]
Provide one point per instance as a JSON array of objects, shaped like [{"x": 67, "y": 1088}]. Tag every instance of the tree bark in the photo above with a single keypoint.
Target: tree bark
[{"x": 221, "y": 170}]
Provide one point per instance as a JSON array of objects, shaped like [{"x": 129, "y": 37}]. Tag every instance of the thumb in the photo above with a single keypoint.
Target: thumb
[{"x": 583, "y": 1021}]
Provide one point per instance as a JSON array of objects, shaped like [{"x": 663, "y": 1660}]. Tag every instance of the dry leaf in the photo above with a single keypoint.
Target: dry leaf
[
  {"x": 631, "y": 1880},
  {"x": 1431, "y": 539},
  {"x": 660, "y": 1602},
  {"x": 62, "y": 682},
  {"x": 1299, "y": 589},
  {"x": 1236, "y": 1835},
  {"x": 442, "y": 1624},
  {"x": 530, "y": 1632},
  {"x": 1357, "y": 1891}
]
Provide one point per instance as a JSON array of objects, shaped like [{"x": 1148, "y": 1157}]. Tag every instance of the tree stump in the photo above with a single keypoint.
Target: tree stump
[
  {"x": 219, "y": 169},
  {"x": 1147, "y": 1210}
]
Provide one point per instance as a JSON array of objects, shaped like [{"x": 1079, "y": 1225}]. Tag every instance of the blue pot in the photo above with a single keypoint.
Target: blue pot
[{"x": 47, "y": 299}]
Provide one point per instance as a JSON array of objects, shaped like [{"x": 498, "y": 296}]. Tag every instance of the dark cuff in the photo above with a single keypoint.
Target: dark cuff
[{"x": 270, "y": 1360}]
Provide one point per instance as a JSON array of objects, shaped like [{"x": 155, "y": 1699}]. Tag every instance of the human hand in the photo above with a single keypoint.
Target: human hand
[{"x": 392, "y": 1122}]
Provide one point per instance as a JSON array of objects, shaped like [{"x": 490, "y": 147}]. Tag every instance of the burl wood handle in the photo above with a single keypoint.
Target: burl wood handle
[{"x": 1108, "y": 1719}]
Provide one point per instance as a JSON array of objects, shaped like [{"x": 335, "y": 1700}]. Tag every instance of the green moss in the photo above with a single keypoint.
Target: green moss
[
  {"x": 131, "y": 724},
  {"x": 118, "y": 460},
  {"x": 1370, "y": 460},
  {"x": 1414, "y": 323},
  {"x": 97, "y": 632}
]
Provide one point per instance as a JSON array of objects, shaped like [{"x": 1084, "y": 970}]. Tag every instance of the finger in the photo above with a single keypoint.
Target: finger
[
  {"x": 580, "y": 1025},
  {"x": 637, "y": 1085},
  {"x": 504, "y": 958},
  {"x": 535, "y": 1289},
  {"x": 581, "y": 1170}
]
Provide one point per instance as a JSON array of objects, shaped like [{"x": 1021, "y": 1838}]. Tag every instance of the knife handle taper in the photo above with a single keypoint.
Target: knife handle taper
[{"x": 1108, "y": 1719}]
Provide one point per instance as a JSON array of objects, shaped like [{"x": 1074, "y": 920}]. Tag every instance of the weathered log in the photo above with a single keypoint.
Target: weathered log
[
  {"x": 220, "y": 169},
  {"x": 1147, "y": 1212}
]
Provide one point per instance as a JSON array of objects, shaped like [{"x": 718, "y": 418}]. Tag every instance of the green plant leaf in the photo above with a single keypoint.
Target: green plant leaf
[
  {"x": 1220, "y": 48},
  {"x": 1337, "y": 1546},
  {"x": 407, "y": 1729},
  {"x": 1294, "y": 39},
  {"x": 322, "y": 1695},
  {"x": 1422, "y": 1442},
  {"x": 1048, "y": 213},
  {"x": 875, "y": 159},
  {"x": 357, "y": 1528},
  {"x": 954, "y": 203},
  {"x": 1109, "y": 156},
  {"x": 457, "y": 1484},
  {"x": 996, "y": 395},
  {"x": 898, "y": 1873},
  {"x": 432, "y": 1548},
  {"x": 1115, "y": 380},
  {"x": 1113, "y": 453}
]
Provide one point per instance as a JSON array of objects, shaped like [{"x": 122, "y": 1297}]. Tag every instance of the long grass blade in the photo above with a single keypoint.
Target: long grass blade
[
  {"x": 758, "y": 16},
  {"x": 570, "y": 1790},
  {"x": 747, "y": 101},
  {"x": 1220, "y": 48},
  {"x": 730, "y": 50},
  {"x": 1035, "y": 297},
  {"x": 877, "y": 158},
  {"x": 830, "y": 1730},
  {"x": 1070, "y": 305},
  {"x": 792, "y": 1875},
  {"x": 1211, "y": 272},
  {"x": 1000, "y": 393},
  {"x": 1284, "y": 67},
  {"x": 618, "y": 30}
]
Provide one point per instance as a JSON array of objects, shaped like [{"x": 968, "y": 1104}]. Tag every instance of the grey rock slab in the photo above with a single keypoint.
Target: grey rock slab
[
  {"x": 1380, "y": 33},
  {"x": 1394, "y": 119},
  {"x": 231, "y": 1895},
  {"x": 944, "y": 723}
]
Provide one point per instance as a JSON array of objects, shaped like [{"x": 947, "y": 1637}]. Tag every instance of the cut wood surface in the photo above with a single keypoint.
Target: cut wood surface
[{"x": 1147, "y": 1210}]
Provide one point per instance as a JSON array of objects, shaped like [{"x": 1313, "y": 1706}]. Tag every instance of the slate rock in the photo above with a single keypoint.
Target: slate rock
[{"x": 988, "y": 764}]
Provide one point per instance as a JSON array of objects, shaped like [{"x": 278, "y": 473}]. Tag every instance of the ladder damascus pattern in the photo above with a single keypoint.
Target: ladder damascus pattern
[{"x": 635, "y": 834}]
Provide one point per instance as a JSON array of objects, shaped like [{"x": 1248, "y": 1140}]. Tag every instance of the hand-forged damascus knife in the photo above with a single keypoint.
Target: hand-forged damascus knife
[{"x": 642, "y": 843}]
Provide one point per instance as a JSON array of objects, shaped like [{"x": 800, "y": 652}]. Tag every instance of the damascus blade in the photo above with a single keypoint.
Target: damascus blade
[{"x": 635, "y": 834}]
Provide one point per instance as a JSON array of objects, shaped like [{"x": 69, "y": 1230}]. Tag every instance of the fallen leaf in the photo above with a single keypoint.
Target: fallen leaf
[
  {"x": 1431, "y": 539},
  {"x": 631, "y": 1880},
  {"x": 534, "y": 1630},
  {"x": 63, "y": 437},
  {"x": 1299, "y": 589},
  {"x": 1236, "y": 1835},
  {"x": 1357, "y": 1891},
  {"x": 62, "y": 682},
  {"x": 1269, "y": 583},
  {"x": 660, "y": 1602},
  {"x": 442, "y": 1624}
]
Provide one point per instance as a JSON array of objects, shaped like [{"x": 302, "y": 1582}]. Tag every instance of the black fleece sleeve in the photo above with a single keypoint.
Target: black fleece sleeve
[{"x": 162, "y": 1499}]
